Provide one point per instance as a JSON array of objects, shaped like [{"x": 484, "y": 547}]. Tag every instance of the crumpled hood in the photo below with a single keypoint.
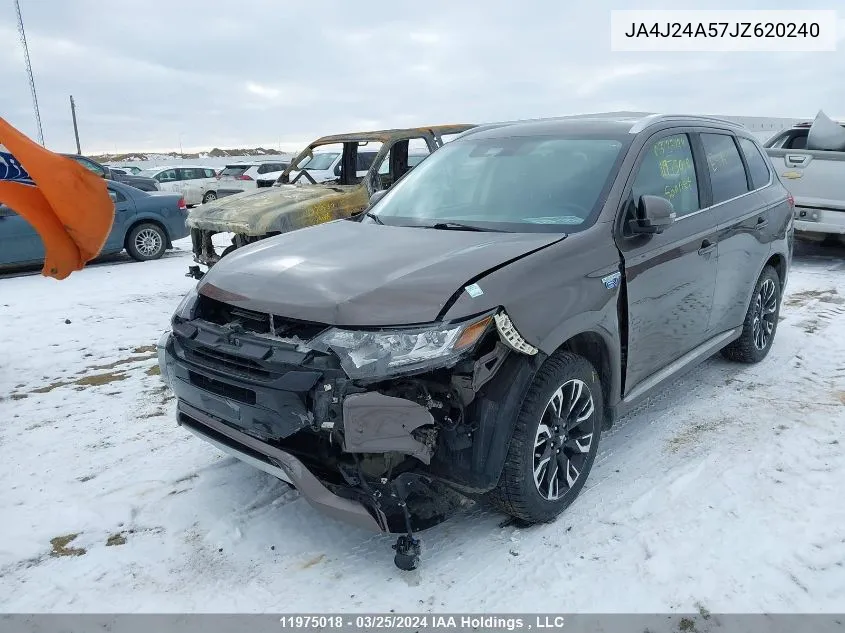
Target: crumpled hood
[
  {"x": 348, "y": 273},
  {"x": 281, "y": 208}
]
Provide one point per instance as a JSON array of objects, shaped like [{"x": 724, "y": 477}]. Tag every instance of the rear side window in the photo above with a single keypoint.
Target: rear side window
[
  {"x": 209, "y": 173},
  {"x": 758, "y": 169},
  {"x": 668, "y": 171},
  {"x": 191, "y": 173},
  {"x": 797, "y": 140},
  {"x": 727, "y": 173}
]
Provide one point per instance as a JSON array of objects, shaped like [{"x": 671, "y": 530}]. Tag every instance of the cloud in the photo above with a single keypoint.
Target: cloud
[
  {"x": 145, "y": 79},
  {"x": 263, "y": 91}
]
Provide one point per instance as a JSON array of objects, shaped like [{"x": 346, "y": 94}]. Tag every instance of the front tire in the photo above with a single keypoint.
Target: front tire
[
  {"x": 761, "y": 321},
  {"x": 555, "y": 441},
  {"x": 146, "y": 242}
]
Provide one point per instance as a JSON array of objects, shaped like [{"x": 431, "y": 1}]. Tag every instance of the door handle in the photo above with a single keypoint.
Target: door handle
[
  {"x": 706, "y": 247},
  {"x": 796, "y": 160},
  {"x": 761, "y": 223}
]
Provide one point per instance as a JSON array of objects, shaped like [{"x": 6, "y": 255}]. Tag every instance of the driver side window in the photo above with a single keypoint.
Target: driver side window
[
  {"x": 668, "y": 171},
  {"x": 167, "y": 176}
]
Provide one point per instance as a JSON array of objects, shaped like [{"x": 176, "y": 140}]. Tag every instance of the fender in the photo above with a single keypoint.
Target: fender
[{"x": 604, "y": 324}]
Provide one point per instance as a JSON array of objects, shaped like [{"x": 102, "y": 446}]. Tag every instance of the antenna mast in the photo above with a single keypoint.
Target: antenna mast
[{"x": 29, "y": 72}]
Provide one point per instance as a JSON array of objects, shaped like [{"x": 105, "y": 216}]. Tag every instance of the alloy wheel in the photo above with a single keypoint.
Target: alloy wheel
[
  {"x": 148, "y": 242},
  {"x": 563, "y": 439},
  {"x": 765, "y": 308}
]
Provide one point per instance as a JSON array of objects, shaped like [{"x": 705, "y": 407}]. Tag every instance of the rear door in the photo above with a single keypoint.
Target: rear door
[
  {"x": 670, "y": 277},
  {"x": 193, "y": 184},
  {"x": 746, "y": 219}
]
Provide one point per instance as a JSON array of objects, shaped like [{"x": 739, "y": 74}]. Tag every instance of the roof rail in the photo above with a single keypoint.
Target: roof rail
[
  {"x": 567, "y": 117},
  {"x": 652, "y": 119}
]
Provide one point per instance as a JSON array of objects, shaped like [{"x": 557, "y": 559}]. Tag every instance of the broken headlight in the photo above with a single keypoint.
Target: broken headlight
[{"x": 383, "y": 353}]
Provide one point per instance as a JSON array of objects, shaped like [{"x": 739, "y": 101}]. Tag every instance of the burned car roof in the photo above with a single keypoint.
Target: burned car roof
[{"x": 388, "y": 135}]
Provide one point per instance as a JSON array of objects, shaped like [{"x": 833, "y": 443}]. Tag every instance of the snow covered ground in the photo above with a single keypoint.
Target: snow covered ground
[{"x": 725, "y": 492}]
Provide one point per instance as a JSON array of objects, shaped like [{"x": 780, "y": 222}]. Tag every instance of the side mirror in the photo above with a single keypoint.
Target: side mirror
[
  {"x": 653, "y": 215},
  {"x": 378, "y": 195},
  {"x": 113, "y": 196},
  {"x": 337, "y": 170}
]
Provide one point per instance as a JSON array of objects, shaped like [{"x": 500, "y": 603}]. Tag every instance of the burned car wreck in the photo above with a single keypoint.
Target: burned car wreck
[{"x": 297, "y": 200}]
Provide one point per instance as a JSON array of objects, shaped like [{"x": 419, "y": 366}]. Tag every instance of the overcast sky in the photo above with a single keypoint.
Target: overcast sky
[{"x": 147, "y": 75}]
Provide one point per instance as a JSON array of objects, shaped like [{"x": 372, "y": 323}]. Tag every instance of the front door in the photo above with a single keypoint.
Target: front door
[
  {"x": 124, "y": 210},
  {"x": 670, "y": 277},
  {"x": 19, "y": 241},
  {"x": 169, "y": 181}
]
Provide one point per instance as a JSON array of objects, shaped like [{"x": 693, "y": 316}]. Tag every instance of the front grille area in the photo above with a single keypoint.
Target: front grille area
[
  {"x": 215, "y": 359},
  {"x": 241, "y": 394},
  {"x": 221, "y": 313}
]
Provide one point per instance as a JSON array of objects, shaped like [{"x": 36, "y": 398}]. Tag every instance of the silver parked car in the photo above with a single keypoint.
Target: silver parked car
[{"x": 810, "y": 159}]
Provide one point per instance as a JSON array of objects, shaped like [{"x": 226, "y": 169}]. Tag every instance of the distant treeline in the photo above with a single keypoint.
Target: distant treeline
[{"x": 214, "y": 153}]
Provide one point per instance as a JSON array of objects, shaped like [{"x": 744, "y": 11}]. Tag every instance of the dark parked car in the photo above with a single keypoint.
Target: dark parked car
[
  {"x": 139, "y": 182},
  {"x": 145, "y": 224},
  {"x": 488, "y": 317}
]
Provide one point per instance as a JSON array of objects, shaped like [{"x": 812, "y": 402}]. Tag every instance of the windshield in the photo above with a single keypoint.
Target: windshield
[
  {"x": 320, "y": 161},
  {"x": 528, "y": 184}
]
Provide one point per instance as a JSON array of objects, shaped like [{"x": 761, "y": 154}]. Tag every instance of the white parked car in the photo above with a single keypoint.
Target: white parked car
[
  {"x": 238, "y": 177},
  {"x": 197, "y": 184},
  {"x": 325, "y": 166}
]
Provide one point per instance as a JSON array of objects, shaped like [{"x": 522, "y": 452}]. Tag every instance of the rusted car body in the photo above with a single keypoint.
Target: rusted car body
[{"x": 298, "y": 202}]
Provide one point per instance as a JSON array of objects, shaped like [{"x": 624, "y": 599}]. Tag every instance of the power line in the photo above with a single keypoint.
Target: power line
[{"x": 29, "y": 72}]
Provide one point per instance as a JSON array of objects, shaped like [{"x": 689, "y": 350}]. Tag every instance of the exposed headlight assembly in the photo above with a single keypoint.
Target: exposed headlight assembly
[
  {"x": 187, "y": 308},
  {"x": 384, "y": 353}
]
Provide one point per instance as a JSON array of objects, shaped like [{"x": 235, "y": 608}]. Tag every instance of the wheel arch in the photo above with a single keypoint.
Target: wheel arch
[
  {"x": 596, "y": 349},
  {"x": 778, "y": 262},
  {"x": 499, "y": 402}
]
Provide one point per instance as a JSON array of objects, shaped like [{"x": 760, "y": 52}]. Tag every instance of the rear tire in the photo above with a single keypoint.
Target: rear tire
[
  {"x": 555, "y": 441},
  {"x": 209, "y": 196},
  {"x": 146, "y": 242},
  {"x": 761, "y": 321}
]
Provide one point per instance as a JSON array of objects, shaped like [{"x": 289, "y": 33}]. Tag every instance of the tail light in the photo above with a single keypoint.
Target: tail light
[
  {"x": 790, "y": 201},
  {"x": 244, "y": 177},
  {"x": 182, "y": 205}
]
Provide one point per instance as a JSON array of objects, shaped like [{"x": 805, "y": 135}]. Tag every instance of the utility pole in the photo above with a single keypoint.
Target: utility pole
[
  {"x": 75, "y": 128},
  {"x": 29, "y": 72}
]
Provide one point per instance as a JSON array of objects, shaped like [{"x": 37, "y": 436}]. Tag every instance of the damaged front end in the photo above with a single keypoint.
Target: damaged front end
[{"x": 386, "y": 429}]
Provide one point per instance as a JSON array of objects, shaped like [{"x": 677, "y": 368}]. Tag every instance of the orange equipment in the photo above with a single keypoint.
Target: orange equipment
[{"x": 68, "y": 205}]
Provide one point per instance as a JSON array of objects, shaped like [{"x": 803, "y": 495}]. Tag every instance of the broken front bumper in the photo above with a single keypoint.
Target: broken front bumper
[
  {"x": 249, "y": 396},
  {"x": 275, "y": 462}
]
